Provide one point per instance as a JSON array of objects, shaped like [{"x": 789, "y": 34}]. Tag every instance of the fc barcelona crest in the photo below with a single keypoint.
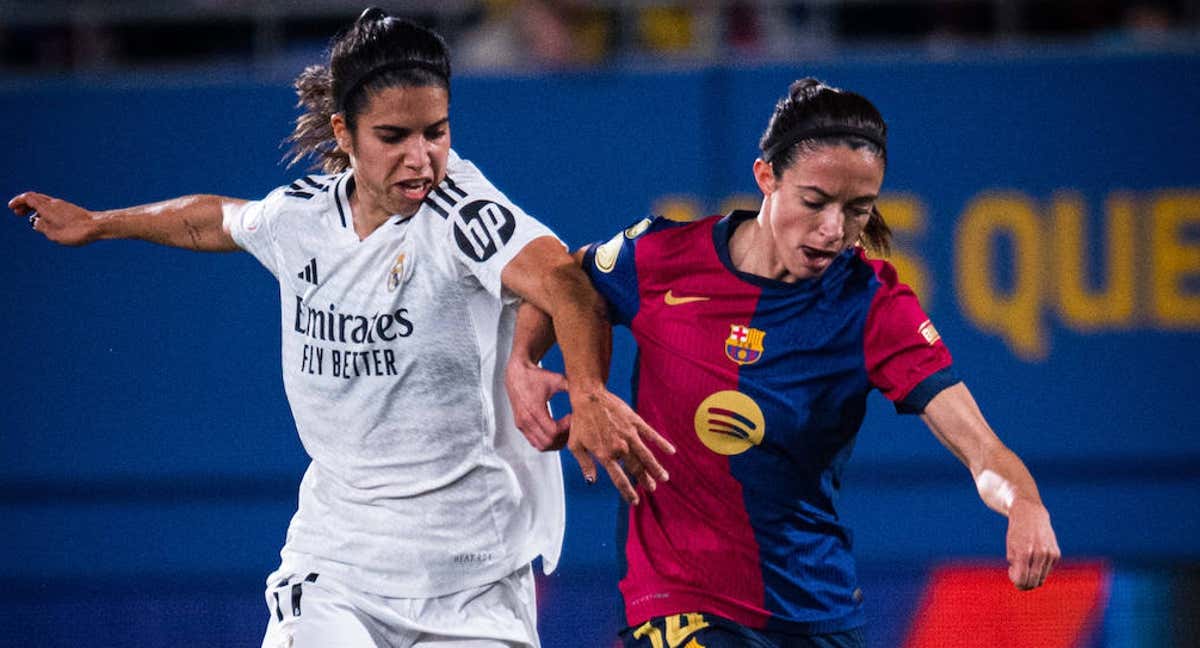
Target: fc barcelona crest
[{"x": 744, "y": 344}]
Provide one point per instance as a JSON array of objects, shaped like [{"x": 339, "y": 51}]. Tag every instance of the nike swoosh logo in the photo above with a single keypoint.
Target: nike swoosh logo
[{"x": 672, "y": 300}]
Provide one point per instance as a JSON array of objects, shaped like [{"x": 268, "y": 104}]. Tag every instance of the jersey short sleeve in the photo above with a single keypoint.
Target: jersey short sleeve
[
  {"x": 612, "y": 267},
  {"x": 252, "y": 227},
  {"x": 905, "y": 356},
  {"x": 487, "y": 230}
]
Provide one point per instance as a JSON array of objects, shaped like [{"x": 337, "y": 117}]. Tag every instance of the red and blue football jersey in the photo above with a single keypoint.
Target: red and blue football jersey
[{"x": 762, "y": 386}]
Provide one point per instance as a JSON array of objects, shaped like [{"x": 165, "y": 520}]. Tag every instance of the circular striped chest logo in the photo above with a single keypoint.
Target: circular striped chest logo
[{"x": 729, "y": 422}]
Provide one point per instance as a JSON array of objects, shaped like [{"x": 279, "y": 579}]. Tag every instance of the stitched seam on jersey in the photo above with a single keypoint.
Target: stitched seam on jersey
[
  {"x": 487, "y": 410},
  {"x": 276, "y": 248},
  {"x": 337, "y": 199}
]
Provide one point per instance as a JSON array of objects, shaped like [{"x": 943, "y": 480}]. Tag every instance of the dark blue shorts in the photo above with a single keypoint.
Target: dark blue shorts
[{"x": 702, "y": 630}]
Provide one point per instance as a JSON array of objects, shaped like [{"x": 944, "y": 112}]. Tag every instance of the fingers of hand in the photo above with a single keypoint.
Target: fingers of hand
[
  {"x": 557, "y": 382},
  {"x": 637, "y": 471},
  {"x": 586, "y": 465},
  {"x": 19, "y": 206},
  {"x": 621, "y": 481},
  {"x": 648, "y": 463},
  {"x": 559, "y": 442},
  {"x": 1030, "y": 570},
  {"x": 646, "y": 431},
  {"x": 28, "y": 202},
  {"x": 542, "y": 424}
]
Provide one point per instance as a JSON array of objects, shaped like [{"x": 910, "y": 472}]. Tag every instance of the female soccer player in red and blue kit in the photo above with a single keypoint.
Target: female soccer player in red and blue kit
[{"x": 759, "y": 337}]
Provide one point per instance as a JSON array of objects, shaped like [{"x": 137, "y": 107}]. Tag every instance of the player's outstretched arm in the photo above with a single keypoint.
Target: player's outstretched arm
[
  {"x": 602, "y": 425},
  {"x": 191, "y": 222},
  {"x": 1003, "y": 482}
]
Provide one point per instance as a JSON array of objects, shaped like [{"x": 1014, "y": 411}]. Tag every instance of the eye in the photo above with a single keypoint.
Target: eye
[
  {"x": 813, "y": 204},
  {"x": 435, "y": 134},
  {"x": 860, "y": 211}
]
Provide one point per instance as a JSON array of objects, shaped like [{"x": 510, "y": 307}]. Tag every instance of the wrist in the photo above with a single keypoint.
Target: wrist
[
  {"x": 585, "y": 389},
  {"x": 519, "y": 360},
  {"x": 104, "y": 225}
]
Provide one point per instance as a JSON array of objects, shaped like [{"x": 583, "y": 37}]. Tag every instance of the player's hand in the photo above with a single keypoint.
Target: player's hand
[
  {"x": 1032, "y": 549},
  {"x": 529, "y": 390},
  {"x": 637, "y": 472},
  {"x": 605, "y": 427},
  {"x": 58, "y": 220}
]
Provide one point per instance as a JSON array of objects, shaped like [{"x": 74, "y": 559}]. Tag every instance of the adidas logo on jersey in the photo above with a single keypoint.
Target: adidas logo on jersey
[{"x": 309, "y": 273}]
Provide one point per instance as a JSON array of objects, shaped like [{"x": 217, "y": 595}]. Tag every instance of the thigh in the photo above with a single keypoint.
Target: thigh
[
  {"x": 499, "y": 615},
  {"x": 306, "y": 614}
]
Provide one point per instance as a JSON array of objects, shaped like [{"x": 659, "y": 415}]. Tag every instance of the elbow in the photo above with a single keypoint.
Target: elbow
[{"x": 567, "y": 284}]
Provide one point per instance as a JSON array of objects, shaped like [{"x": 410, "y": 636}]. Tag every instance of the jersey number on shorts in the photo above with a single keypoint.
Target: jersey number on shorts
[{"x": 677, "y": 627}]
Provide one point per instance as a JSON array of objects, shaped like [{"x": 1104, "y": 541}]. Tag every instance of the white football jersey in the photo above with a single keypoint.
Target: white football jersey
[{"x": 393, "y": 361}]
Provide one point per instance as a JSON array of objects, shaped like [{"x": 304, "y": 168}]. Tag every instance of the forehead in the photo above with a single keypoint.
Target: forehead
[
  {"x": 836, "y": 165},
  {"x": 406, "y": 105}
]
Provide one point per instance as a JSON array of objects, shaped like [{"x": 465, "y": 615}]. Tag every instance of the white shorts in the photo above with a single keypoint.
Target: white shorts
[{"x": 313, "y": 611}]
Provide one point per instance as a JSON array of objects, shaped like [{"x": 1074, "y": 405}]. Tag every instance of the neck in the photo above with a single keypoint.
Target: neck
[
  {"x": 366, "y": 214},
  {"x": 752, "y": 250}
]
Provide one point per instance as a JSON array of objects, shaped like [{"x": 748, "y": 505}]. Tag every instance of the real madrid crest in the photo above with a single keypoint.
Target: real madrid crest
[
  {"x": 744, "y": 344},
  {"x": 400, "y": 271}
]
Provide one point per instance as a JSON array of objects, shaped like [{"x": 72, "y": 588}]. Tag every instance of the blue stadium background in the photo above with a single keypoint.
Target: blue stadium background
[{"x": 148, "y": 462}]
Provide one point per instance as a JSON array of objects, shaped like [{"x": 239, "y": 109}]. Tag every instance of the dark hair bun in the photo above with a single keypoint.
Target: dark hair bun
[
  {"x": 804, "y": 88},
  {"x": 371, "y": 14}
]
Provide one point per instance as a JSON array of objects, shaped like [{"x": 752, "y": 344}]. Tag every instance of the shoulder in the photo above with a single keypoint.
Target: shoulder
[
  {"x": 309, "y": 194},
  {"x": 464, "y": 185},
  {"x": 470, "y": 205},
  {"x": 652, "y": 228},
  {"x": 880, "y": 269}
]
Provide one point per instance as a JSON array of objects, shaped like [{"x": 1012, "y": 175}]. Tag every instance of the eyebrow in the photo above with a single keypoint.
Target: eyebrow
[
  {"x": 867, "y": 198},
  {"x": 401, "y": 129}
]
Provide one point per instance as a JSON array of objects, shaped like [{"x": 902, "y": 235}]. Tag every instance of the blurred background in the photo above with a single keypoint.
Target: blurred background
[{"x": 1043, "y": 183}]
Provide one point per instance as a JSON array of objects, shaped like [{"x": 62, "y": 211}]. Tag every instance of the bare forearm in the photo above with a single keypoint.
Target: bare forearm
[
  {"x": 190, "y": 222},
  {"x": 1000, "y": 476},
  {"x": 582, "y": 329},
  {"x": 1003, "y": 482},
  {"x": 1002, "y": 479},
  {"x": 534, "y": 335}
]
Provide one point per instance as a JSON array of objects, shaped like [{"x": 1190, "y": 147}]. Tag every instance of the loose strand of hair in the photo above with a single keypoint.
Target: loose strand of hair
[
  {"x": 876, "y": 235},
  {"x": 312, "y": 138}
]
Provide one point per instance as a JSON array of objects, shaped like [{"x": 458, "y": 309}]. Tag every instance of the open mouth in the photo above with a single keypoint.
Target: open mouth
[
  {"x": 818, "y": 254},
  {"x": 415, "y": 189}
]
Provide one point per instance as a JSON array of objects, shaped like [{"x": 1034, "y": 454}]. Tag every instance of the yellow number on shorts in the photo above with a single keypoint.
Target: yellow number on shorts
[
  {"x": 647, "y": 630},
  {"x": 682, "y": 626},
  {"x": 678, "y": 626}
]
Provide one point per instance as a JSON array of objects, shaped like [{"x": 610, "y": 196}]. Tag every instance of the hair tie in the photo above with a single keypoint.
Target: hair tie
[
  {"x": 808, "y": 132},
  {"x": 388, "y": 67}
]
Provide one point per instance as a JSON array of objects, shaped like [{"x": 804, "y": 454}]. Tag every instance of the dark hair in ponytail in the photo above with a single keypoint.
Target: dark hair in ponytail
[
  {"x": 815, "y": 115},
  {"x": 379, "y": 51}
]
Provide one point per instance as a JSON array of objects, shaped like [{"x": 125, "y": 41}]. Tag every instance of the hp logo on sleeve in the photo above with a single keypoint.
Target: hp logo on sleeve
[{"x": 482, "y": 228}]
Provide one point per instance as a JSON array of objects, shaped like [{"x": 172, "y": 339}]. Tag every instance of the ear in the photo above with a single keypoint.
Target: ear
[
  {"x": 341, "y": 133},
  {"x": 764, "y": 175}
]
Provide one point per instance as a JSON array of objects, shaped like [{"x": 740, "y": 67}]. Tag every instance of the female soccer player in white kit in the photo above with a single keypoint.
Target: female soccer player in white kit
[{"x": 399, "y": 273}]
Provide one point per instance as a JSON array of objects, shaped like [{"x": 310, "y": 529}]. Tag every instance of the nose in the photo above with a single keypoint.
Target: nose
[
  {"x": 415, "y": 153},
  {"x": 831, "y": 225}
]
